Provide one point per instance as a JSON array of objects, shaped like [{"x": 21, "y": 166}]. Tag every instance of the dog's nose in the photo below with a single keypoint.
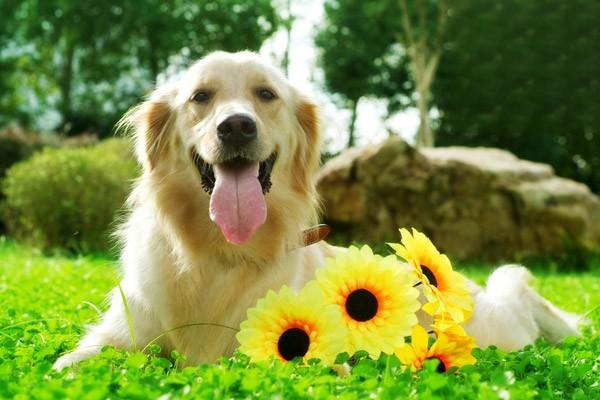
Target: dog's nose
[{"x": 237, "y": 130}]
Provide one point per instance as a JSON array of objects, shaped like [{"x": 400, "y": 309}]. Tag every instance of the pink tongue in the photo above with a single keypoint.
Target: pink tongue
[{"x": 237, "y": 203}]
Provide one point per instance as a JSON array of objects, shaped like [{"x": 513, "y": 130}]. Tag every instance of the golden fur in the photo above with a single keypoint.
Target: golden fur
[
  {"x": 180, "y": 272},
  {"x": 177, "y": 267}
]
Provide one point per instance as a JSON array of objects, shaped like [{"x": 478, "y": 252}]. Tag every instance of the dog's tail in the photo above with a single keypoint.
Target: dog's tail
[{"x": 510, "y": 314}]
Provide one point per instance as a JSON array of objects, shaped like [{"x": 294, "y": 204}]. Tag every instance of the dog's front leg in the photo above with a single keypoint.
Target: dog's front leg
[{"x": 114, "y": 330}]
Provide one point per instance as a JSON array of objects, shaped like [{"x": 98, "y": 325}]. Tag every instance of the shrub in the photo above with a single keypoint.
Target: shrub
[
  {"x": 67, "y": 198},
  {"x": 17, "y": 145},
  {"x": 118, "y": 147},
  {"x": 578, "y": 255}
]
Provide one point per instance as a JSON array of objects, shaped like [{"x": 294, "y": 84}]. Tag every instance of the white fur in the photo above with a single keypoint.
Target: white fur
[{"x": 509, "y": 314}]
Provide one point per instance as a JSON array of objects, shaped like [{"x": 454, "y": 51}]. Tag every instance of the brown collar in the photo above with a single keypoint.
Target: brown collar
[{"x": 315, "y": 234}]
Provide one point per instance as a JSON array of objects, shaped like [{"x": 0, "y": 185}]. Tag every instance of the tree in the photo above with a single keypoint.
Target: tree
[
  {"x": 423, "y": 39},
  {"x": 101, "y": 57},
  {"x": 400, "y": 36},
  {"x": 360, "y": 59},
  {"x": 288, "y": 23},
  {"x": 8, "y": 65},
  {"x": 524, "y": 76}
]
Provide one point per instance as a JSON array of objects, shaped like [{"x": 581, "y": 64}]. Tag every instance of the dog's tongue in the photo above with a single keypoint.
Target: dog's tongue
[{"x": 237, "y": 203}]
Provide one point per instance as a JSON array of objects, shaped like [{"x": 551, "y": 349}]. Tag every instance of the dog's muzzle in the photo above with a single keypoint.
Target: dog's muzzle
[
  {"x": 237, "y": 189},
  {"x": 207, "y": 174}
]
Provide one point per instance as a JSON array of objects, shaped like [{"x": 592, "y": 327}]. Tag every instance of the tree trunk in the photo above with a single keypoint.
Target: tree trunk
[
  {"x": 423, "y": 59},
  {"x": 424, "y": 134},
  {"x": 153, "y": 65},
  {"x": 152, "y": 59},
  {"x": 351, "y": 138},
  {"x": 288, "y": 27},
  {"x": 65, "y": 84}
]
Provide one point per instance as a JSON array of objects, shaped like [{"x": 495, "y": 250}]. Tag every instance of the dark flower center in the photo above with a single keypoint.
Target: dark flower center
[
  {"x": 361, "y": 305},
  {"x": 293, "y": 343},
  {"x": 441, "y": 368},
  {"x": 430, "y": 277}
]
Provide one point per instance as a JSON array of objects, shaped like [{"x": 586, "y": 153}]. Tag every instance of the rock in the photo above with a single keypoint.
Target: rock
[{"x": 474, "y": 203}]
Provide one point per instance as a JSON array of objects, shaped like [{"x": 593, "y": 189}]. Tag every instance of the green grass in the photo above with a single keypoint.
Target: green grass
[{"x": 45, "y": 302}]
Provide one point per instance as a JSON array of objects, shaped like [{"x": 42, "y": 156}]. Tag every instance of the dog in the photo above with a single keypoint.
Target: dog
[{"x": 229, "y": 151}]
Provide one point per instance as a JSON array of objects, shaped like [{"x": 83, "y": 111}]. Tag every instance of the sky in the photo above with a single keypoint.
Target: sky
[{"x": 304, "y": 73}]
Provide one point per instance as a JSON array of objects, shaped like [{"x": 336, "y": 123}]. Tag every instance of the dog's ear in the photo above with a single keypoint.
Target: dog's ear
[
  {"x": 308, "y": 154},
  {"x": 151, "y": 122}
]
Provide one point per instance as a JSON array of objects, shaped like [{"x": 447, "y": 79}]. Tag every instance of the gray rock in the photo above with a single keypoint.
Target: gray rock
[{"x": 474, "y": 203}]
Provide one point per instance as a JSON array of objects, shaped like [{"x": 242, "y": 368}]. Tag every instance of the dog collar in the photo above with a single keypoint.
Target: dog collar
[{"x": 315, "y": 234}]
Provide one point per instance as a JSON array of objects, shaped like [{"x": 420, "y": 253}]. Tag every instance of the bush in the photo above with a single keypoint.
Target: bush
[
  {"x": 118, "y": 147},
  {"x": 67, "y": 198},
  {"x": 17, "y": 145}
]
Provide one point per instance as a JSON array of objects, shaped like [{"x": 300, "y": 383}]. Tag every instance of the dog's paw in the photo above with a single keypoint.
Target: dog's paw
[
  {"x": 342, "y": 370},
  {"x": 72, "y": 358}
]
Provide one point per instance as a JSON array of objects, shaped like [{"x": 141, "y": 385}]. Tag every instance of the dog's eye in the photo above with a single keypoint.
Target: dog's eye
[
  {"x": 266, "y": 94},
  {"x": 201, "y": 96}
]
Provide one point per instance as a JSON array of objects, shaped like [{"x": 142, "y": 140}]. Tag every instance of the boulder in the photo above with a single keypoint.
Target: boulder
[{"x": 474, "y": 203}]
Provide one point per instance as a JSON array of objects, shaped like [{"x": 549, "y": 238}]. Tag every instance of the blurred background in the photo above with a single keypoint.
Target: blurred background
[{"x": 430, "y": 94}]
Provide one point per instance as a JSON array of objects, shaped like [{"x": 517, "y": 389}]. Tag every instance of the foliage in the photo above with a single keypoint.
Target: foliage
[
  {"x": 579, "y": 255},
  {"x": 90, "y": 61},
  {"x": 15, "y": 147},
  {"x": 47, "y": 301},
  {"x": 8, "y": 106},
  {"x": 12, "y": 150},
  {"x": 394, "y": 56},
  {"x": 67, "y": 198},
  {"x": 120, "y": 147},
  {"x": 523, "y": 75},
  {"x": 359, "y": 55}
]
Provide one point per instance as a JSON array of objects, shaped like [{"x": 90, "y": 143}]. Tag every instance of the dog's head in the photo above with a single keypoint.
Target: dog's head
[{"x": 240, "y": 133}]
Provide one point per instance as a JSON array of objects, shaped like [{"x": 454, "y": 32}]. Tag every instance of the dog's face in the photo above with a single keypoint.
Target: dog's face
[
  {"x": 235, "y": 106},
  {"x": 246, "y": 133}
]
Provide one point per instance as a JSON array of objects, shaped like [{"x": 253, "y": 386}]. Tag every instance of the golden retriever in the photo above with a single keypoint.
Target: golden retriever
[{"x": 228, "y": 153}]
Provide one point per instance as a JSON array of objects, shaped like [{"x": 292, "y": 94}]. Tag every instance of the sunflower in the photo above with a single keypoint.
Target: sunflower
[
  {"x": 445, "y": 288},
  {"x": 455, "y": 333},
  {"x": 375, "y": 297},
  {"x": 444, "y": 322},
  {"x": 286, "y": 326},
  {"x": 450, "y": 350}
]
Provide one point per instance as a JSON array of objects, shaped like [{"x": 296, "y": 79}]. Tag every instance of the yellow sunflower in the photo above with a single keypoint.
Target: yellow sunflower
[
  {"x": 375, "y": 297},
  {"x": 444, "y": 322},
  {"x": 445, "y": 288},
  {"x": 455, "y": 333},
  {"x": 451, "y": 351},
  {"x": 286, "y": 326}
]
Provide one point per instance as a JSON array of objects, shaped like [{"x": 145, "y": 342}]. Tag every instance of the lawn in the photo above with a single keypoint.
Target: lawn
[{"x": 45, "y": 302}]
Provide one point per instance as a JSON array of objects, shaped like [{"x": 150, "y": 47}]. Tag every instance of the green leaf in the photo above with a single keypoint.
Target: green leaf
[{"x": 136, "y": 360}]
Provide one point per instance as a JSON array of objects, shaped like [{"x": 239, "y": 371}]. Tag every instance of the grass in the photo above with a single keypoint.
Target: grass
[{"x": 45, "y": 302}]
